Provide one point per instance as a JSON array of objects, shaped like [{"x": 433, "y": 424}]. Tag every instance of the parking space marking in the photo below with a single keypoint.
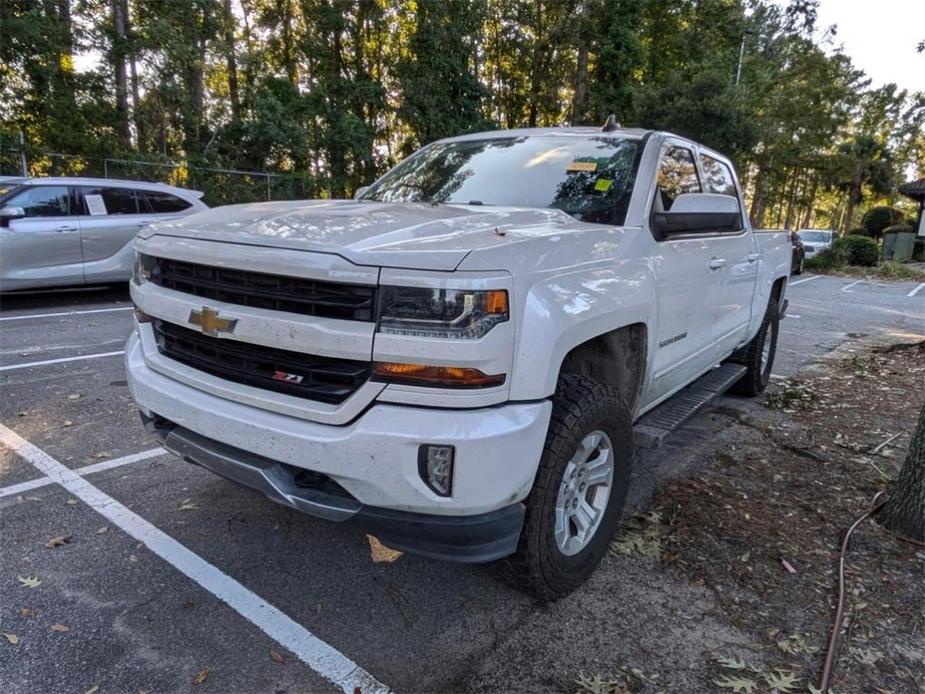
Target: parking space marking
[
  {"x": 86, "y": 470},
  {"x": 317, "y": 654},
  {"x": 916, "y": 290},
  {"x": 62, "y": 360},
  {"x": 805, "y": 279},
  {"x": 847, "y": 288},
  {"x": 66, "y": 313}
]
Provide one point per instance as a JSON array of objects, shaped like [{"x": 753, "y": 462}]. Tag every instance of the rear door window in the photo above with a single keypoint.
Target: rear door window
[
  {"x": 98, "y": 201},
  {"x": 162, "y": 203},
  {"x": 677, "y": 174},
  {"x": 43, "y": 201},
  {"x": 717, "y": 177}
]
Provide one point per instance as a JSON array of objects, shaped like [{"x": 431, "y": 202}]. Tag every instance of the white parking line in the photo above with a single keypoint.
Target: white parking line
[
  {"x": 66, "y": 313},
  {"x": 318, "y": 655},
  {"x": 847, "y": 288},
  {"x": 86, "y": 470},
  {"x": 916, "y": 290},
  {"x": 62, "y": 360},
  {"x": 805, "y": 279}
]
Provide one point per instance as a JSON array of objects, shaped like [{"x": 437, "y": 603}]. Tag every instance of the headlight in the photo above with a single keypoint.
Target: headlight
[
  {"x": 452, "y": 313},
  {"x": 144, "y": 267}
]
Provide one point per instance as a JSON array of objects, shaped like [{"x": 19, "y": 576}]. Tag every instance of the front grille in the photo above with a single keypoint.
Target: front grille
[
  {"x": 263, "y": 290},
  {"x": 322, "y": 378}
]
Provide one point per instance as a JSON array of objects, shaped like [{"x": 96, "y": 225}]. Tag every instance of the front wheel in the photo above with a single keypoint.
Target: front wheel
[
  {"x": 579, "y": 491},
  {"x": 758, "y": 355}
]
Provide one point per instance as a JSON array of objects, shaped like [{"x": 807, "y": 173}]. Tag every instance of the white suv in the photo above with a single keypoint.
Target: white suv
[{"x": 57, "y": 232}]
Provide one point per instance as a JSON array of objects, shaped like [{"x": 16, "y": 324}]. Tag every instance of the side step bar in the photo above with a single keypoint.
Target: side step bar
[{"x": 653, "y": 427}]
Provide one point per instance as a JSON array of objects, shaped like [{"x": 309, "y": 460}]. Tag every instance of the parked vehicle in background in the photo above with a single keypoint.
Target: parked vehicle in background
[
  {"x": 7, "y": 183},
  {"x": 815, "y": 240},
  {"x": 455, "y": 360},
  {"x": 799, "y": 254},
  {"x": 57, "y": 232}
]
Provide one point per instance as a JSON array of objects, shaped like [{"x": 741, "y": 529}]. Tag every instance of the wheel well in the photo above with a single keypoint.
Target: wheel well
[
  {"x": 777, "y": 289},
  {"x": 617, "y": 358}
]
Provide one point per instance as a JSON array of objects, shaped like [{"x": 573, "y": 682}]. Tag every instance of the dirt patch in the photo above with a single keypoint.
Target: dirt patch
[{"x": 726, "y": 583}]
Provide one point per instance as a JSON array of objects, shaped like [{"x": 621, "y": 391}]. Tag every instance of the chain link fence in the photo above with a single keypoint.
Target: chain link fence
[{"x": 219, "y": 186}]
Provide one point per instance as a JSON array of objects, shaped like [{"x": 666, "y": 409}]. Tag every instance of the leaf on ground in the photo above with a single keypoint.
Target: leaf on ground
[
  {"x": 68, "y": 422},
  {"x": 782, "y": 681},
  {"x": 598, "y": 685},
  {"x": 26, "y": 612},
  {"x": 188, "y": 505},
  {"x": 29, "y": 581},
  {"x": 71, "y": 502},
  {"x": 101, "y": 530},
  {"x": 58, "y": 541},
  {"x": 93, "y": 690},
  {"x": 276, "y": 656},
  {"x": 737, "y": 684},
  {"x": 12, "y": 638},
  {"x": 201, "y": 677},
  {"x": 73, "y": 396},
  {"x": 132, "y": 558},
  {"x": 788, "y": 566},
  {"x": 730, "y": 663},
  {"x": 59, "y": 627}
]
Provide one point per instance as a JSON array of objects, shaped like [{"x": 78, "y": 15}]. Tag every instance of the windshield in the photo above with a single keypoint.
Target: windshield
[
  {"x": 6, "y": 188},
  {"x": 816, "y": 236},
  {"x": 590, "y": 178}
]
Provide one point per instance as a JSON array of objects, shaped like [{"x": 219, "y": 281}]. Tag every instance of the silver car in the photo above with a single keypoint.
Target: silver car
[
  {"x": 815, "y": 240},
  {"x": 57, "y": 232}
]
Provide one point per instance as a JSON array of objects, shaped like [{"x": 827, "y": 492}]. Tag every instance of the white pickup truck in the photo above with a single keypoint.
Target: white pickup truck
[{"x": 456, "y": 359}]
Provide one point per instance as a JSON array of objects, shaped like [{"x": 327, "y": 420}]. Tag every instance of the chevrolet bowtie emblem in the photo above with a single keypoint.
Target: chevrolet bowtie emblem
[{"x": 209, "y": 321}]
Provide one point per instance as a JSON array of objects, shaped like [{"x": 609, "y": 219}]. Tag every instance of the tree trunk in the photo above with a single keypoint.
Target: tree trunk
[
  {"x": 231, "y": 62},
  {"x": 904, "y": 511},
  {"x": 118, "y": 63}
]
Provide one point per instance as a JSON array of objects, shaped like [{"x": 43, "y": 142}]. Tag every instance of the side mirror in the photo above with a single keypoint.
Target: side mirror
[
  {"x": 8, "y": 213},
  {"x": 358, "y": 193},
  {"x": 699, "y": 213}
]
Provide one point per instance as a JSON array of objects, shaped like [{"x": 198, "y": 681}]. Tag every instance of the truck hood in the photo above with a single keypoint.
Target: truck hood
[{"x": 402, "y": 235}]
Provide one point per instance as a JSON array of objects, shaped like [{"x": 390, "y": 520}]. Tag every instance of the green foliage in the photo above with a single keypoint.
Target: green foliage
[
  {"x": 877, "y": 219},
  {"x": 329, "y": 93},
  {"x": 857, "y": 231},
  {"x": 857, "y": 250}
]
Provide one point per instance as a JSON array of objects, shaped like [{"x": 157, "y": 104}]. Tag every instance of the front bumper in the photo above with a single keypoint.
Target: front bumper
[
  {"x": 373, "y": 458},
  {"x": 471, "y": 539}
]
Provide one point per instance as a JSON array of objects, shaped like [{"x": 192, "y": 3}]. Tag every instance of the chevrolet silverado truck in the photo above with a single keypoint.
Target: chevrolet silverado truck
[{"x": 461, "y": 359}]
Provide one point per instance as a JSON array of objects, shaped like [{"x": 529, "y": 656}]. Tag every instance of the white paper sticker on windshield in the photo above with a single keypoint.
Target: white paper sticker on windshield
[
  {"x": 95, "y": 205},
  {"x": 581, "y": 166}
]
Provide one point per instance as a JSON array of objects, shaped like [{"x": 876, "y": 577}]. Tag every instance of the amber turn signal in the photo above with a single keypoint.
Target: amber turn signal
[{"x": 434, "y": 376}]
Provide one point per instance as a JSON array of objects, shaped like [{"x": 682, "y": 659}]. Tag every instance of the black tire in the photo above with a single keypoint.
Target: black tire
[
  {"x": 581, "y": 405},
  {"x": 759, "y": 367}
]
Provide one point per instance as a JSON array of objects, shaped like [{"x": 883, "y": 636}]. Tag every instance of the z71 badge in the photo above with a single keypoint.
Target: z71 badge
[{"x": 287, "y": 377}]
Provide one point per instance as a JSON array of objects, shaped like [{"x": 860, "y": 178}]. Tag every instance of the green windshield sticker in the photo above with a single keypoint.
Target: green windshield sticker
[{"x": 603, "y": 184}]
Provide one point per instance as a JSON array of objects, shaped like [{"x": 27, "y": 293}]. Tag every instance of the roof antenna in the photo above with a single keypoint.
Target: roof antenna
[{"x": 611, "y": 124}]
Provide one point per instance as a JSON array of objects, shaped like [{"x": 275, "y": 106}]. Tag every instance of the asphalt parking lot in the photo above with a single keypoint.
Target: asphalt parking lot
[{"x": 125, "y": 569}]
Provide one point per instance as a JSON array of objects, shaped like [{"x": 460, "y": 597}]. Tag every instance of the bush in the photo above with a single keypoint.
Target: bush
[
  {"x": 857, "y": 250},
  {"x": 876, "y": 219},
  {"x": 857, "y": 231},
  {"x": 826, "y": 259}
]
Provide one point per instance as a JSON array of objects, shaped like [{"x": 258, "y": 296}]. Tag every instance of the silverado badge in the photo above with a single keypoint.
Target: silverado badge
[{"x": 210, "y": 322}]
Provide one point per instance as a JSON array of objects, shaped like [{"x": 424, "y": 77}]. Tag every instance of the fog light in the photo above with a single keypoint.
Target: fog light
[{"x": 435, "y": 465}]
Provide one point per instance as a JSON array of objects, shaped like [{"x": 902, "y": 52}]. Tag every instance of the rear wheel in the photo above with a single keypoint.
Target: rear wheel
[
  {"x": 758, "y": 355},
  {"x": 578, "y": 495}
]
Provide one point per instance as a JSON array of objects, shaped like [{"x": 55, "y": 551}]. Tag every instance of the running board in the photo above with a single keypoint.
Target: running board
[{"x": 654, "y": 426}]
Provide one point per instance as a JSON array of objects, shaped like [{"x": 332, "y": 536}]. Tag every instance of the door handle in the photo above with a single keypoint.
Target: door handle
[
  {"x": 65, "y": 227},
  {"x": 717, "y": 263},
  {"x": 752, "y": 257}
]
